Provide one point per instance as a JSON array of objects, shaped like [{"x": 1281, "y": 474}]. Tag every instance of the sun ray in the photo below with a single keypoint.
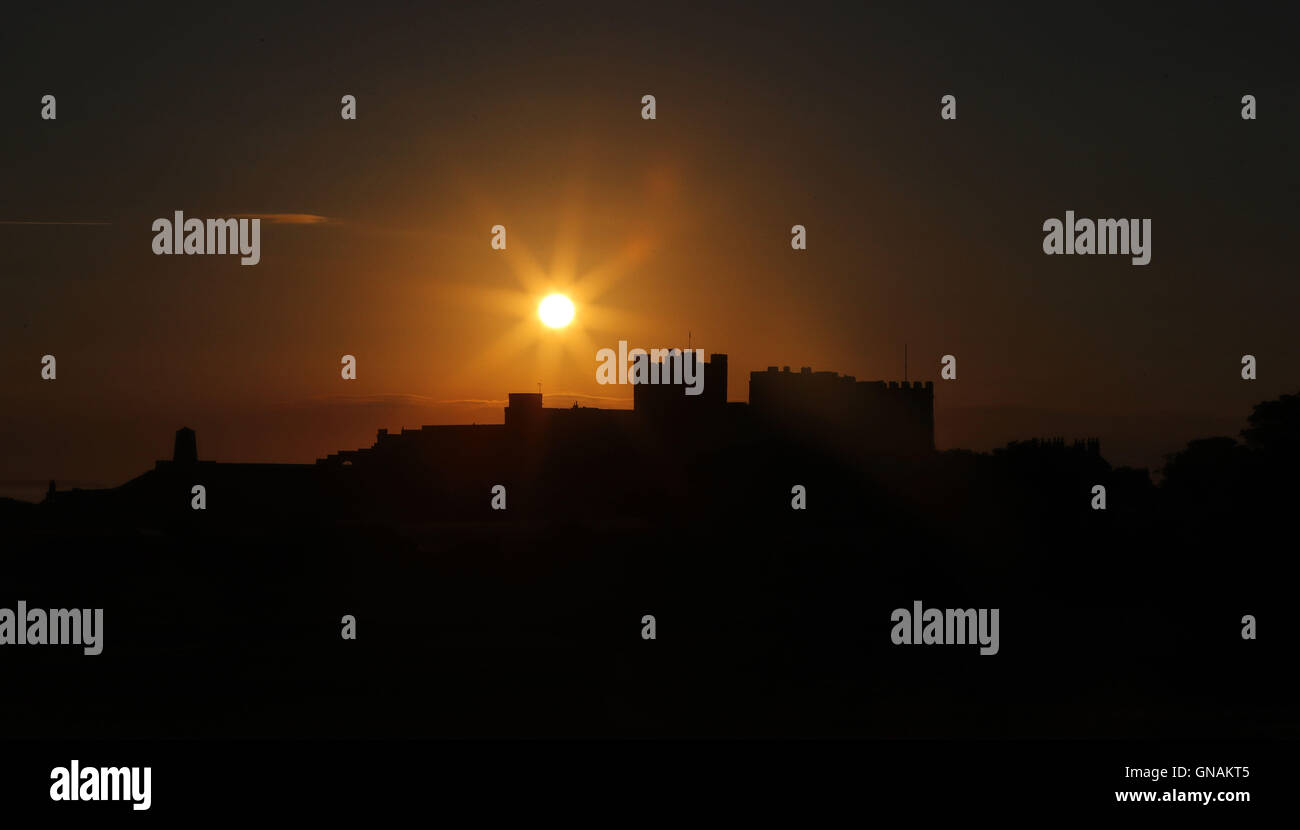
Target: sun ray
[
  {"x": 528, "y": 347},
  {"x": 594, "y": 283}
]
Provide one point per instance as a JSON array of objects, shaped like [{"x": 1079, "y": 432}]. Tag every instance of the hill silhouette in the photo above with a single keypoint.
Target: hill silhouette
[{"x": 770, "y": 620}]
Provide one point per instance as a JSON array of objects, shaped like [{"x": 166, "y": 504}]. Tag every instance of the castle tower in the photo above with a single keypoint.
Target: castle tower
[{"x": 524, "y": 410}]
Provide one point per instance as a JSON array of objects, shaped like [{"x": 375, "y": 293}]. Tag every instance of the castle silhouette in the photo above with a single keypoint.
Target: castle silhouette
[
  {"x": 553, "y": 460},
  {"x": 849, "y": 415},
  {"x": 774, "y": 619}
]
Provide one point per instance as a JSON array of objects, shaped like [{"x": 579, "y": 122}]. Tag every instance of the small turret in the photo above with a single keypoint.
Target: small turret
[{"x": 185, "y": 450}]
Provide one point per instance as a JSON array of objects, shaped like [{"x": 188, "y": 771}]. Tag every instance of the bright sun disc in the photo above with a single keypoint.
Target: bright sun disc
[{"x": 556, "y": 311}]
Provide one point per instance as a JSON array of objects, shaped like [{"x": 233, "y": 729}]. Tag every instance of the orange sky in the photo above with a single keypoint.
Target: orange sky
[{"x": 919, "y": 231}]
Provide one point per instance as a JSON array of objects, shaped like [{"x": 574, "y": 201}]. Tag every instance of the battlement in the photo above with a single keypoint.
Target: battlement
[
  {"x": 879, "y": 415},
  {"x": 1056, "y": 444},
  {"x": 666, "y": 395}
]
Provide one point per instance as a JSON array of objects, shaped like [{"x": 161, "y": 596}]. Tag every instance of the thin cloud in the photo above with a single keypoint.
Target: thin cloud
[
  {"x": 363, "y": 400},
  {"x": 290, "y": 218},
  {"x": 397, "y": 399},
  {"x": 587, "y": 397}
]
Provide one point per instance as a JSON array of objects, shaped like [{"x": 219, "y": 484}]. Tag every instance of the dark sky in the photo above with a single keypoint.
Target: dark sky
[{"x": 920, "y": 231}]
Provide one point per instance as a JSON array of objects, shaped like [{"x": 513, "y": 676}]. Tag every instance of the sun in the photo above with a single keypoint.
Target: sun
[{"x": 556, "y": 311}]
